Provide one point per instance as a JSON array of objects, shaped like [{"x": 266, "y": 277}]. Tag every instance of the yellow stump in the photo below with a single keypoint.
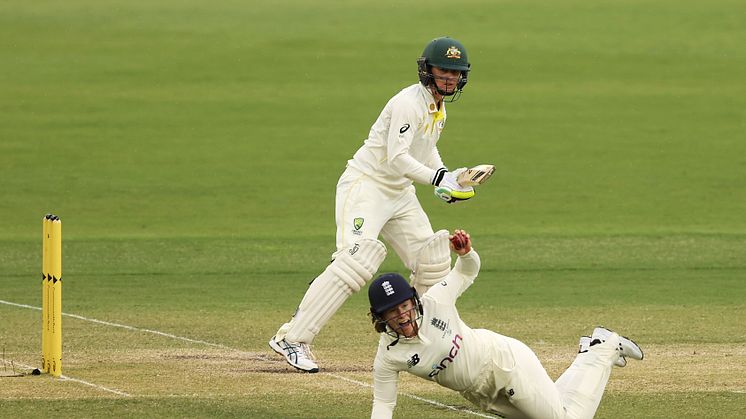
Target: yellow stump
[
  {"x": 45, "y": 271},
  {"x": 51, "y": 340}
]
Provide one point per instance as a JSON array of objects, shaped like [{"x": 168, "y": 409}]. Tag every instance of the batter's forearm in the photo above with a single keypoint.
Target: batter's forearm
[
  {"x": 407, "y": 166},
  {"x": 435, "y": 160}
]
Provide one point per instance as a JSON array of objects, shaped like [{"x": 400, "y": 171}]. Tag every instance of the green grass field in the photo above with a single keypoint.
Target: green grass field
[{"x": 154, "y": 130}]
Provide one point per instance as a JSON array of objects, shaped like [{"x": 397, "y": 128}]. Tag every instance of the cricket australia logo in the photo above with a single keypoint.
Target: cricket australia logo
[
  {"x": 453, "y": 52},
  {"x": 358, "y": 224},
  {"x": 414, "y": 360}
]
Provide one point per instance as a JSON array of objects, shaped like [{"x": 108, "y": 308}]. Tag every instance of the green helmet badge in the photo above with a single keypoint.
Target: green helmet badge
[{"x": 453, "y": 52}]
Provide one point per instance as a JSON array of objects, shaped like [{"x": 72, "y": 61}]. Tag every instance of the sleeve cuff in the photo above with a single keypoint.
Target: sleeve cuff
[{"x": 438, "y": 177}]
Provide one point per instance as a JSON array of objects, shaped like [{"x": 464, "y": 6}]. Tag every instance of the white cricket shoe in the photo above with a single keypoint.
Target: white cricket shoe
[
  {"x": 627, "y": 348},
  {"x": 585, "y": 344},
  {"x": 296, "y": 354}
]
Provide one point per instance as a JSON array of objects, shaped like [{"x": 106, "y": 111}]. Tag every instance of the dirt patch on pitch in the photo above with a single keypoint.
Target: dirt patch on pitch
[
  {"x": 666, "y": 368},
  {"x": 671, "y": 368},
  {"x": 274, "y": 364},
  {"x": 252, "y": 362}
]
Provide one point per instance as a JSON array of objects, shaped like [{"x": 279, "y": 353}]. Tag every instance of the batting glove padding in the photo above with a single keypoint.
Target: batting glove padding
[{"x": 447, "y": 187}]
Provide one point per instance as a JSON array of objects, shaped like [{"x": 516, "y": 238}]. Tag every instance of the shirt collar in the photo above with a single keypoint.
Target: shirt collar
[
  {"x": 420, "y": 338},
  {"x": 432, "y": 106}
]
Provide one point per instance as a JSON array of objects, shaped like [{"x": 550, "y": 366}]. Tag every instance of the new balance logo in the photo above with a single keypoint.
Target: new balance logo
[{"x": 413, "y": 361}]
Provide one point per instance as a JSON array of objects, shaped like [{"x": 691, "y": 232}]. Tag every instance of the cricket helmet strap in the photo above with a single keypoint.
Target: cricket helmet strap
[
  {"x": 446, "y": 53},
  {"x": 386, "y": 292}
]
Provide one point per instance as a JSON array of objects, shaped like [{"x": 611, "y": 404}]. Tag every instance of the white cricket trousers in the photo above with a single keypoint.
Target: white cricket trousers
[
  {"x": 523, "y": 389},
  {"x": 366, "y": 208}
]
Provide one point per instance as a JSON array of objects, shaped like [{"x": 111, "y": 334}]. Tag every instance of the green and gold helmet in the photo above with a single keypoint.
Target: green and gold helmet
[{"x": 446, "y": 53}]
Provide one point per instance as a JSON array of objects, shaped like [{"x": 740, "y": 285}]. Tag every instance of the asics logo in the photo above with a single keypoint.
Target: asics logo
[{"x": 403, "y": 128}]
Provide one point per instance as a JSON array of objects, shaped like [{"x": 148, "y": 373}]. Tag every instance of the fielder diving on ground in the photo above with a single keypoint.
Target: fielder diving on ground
[{"x": 426, "y": 337}]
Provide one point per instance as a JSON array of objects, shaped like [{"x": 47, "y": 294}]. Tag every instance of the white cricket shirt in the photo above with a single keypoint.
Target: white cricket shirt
[
  {"x": 445, "y": 350},
  {"x": 401, "y": 145}
]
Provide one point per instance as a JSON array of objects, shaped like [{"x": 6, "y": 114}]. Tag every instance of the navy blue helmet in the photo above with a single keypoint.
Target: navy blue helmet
[{"x": 386, "y": 292}]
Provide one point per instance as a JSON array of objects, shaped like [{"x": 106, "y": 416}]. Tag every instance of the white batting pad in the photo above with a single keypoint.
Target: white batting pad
[
  {"x": 433, "y": 262},
  {"x": 348, "y": 273}
]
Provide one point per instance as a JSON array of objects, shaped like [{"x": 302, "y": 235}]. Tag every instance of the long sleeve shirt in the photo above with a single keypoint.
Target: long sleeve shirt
[
  {"x": 445, "y": 349},
  {"x": 401, "y": 146}
]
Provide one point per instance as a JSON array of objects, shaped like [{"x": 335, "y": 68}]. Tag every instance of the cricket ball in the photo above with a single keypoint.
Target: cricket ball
[{"x": 459, "y": 241}]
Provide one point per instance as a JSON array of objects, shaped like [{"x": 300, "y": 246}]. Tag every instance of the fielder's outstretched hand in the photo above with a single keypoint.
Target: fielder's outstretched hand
[{"x": 460, "y": 242}]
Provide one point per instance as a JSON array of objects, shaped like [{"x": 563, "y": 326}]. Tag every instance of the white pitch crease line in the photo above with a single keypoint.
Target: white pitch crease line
[
  {"x": 123, "y": 326},
  {"x": 217, "y": 345},
  {"x": 111, "y": 390},
  {"x": 412, "y": 396},
  {"x": 75, "y": 380}
]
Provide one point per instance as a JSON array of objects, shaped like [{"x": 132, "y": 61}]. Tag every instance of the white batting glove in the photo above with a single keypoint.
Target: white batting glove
[{"x": 447, "y": 187}]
